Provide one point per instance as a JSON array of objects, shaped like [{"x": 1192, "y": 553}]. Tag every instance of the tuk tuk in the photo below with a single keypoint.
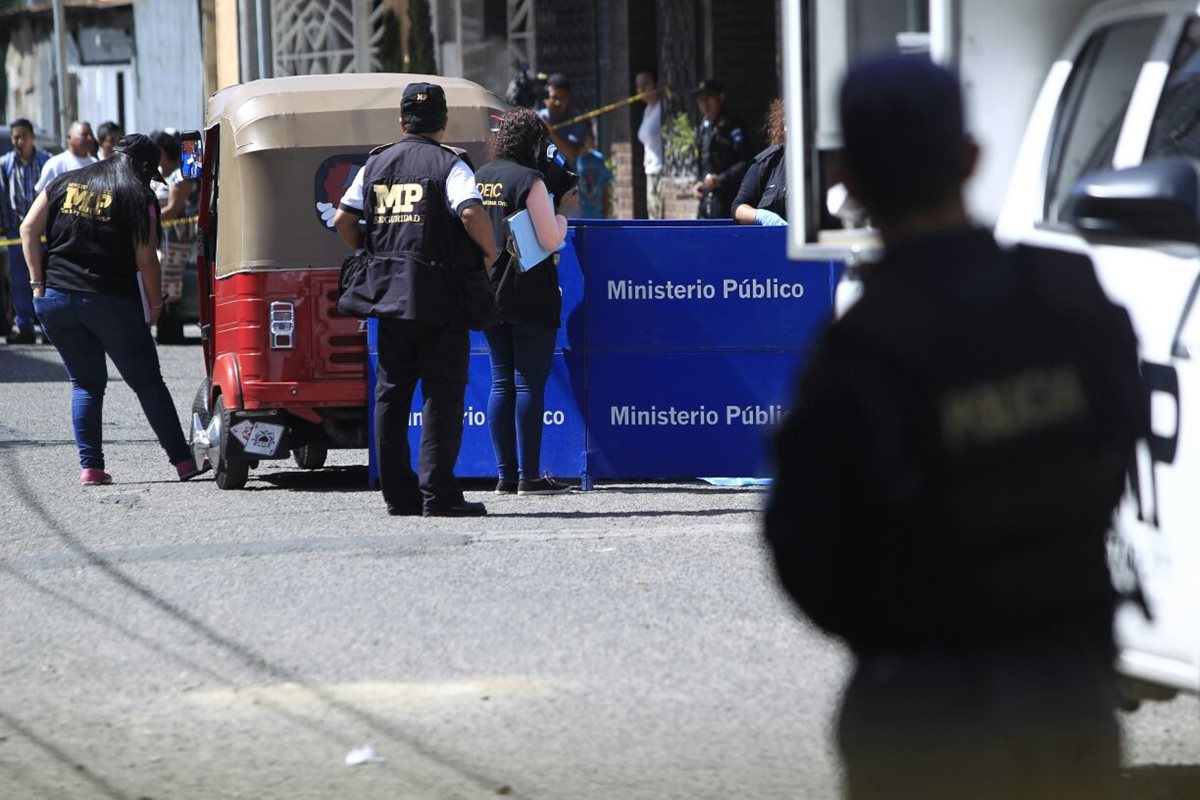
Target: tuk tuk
[{"x": 286, "y": 373}]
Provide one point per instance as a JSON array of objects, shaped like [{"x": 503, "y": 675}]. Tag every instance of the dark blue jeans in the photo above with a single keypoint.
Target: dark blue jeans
[
  {"x": 84, "y": 326},
  {"x": 18, "y": 281},
  {"x": 521, "y": 359}
]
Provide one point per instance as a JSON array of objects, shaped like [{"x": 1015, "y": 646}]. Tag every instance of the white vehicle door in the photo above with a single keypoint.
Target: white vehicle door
[{"x": 1128, "y": 88}]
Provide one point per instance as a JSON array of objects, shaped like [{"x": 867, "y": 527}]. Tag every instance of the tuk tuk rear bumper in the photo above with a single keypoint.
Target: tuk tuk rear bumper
[{"x": 285, "y": 396}]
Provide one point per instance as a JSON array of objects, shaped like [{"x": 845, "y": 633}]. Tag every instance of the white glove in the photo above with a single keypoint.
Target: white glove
[
  {"x": 767, "y": 217},
  {"x": 326, "y": 210}
]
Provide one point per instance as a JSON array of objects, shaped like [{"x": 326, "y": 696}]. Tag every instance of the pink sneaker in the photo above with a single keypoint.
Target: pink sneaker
[
  {"x": 94, "y": 477},
  {"x": 187, "y": 469}
]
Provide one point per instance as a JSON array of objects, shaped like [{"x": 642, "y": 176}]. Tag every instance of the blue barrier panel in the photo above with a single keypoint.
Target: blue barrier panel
[
  {"x": 695, "y": 333},
  {"x": 706, "y": 287},
  {"x": 679, "y": 346},
  {"x": 673, "y": 415},
  {"x": 563, "y": 436}
]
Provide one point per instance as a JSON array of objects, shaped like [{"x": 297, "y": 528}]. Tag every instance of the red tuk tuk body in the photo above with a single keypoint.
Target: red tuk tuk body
[{"x": 286, "y": 371}]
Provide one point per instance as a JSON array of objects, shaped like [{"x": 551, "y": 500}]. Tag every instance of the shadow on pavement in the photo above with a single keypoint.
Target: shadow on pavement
[
  {"x": 1161, "y": 782},
  {"x": 185, "y": 341},
  {"x": 328, "y": 479},
  {"x": 354, "y": 479},
  {"x": 17, "y": 367},
  {"x": 620, "y": 514},
  {"x": 690, "y": 487}
]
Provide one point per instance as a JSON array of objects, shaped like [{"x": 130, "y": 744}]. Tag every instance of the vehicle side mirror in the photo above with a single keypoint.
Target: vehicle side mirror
[{"x": 1159, "y": 199}]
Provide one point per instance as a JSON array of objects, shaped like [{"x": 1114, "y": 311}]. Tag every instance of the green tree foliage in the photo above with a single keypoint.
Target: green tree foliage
[
  {"x": 420, "y": 38},
  {"x": 680, "y": 151}
]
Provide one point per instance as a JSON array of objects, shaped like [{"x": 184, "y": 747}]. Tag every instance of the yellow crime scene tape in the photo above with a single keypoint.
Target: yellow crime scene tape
[
  {"x": 171, "y": 223},
  {"x": 602, "y": 110},
  {"x": 166, "y": 223}
]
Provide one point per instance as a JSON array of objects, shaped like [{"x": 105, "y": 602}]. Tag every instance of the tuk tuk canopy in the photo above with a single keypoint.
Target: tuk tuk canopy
[{"x": 287, "y": 149}]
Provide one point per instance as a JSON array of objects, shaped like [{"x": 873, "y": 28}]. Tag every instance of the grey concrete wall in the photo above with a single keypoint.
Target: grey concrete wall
[{"x": 170, "y": 65}]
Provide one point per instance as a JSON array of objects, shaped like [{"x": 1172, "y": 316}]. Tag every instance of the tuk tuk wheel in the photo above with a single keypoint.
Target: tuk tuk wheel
[
  {"x": 311, "y": 456},
  {"x": 201, "y": 416},
  {"x": 228, "y": 474}
]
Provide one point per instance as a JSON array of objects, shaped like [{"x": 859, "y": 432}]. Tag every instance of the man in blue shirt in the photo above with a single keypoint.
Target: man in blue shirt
[
  {"x": 19, "y": 171},
  {"x": 568, "y": 138},
  {"x": 594, "y": 178}
]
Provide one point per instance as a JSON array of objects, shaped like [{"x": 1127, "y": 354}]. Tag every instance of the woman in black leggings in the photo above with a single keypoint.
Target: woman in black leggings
[{"x": 522, "y": 346}]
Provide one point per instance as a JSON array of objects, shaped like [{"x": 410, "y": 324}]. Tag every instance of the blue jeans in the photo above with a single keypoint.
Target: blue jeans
[
  {"x": 18, "y": 281},
  {"x": 84, "y": 326},
  {"x": 521, "y": 359}
]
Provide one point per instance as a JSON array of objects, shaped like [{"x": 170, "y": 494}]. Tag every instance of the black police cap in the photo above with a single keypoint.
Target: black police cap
[
  {"x": 143, "y": 150},
  {"x": 423, "y": 107},
  {"x": 708, "y": 86}
]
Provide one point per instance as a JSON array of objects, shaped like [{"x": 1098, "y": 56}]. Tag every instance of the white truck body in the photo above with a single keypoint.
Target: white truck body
[
  {"x": 1114, "y": 80},
  {"x": 1097, "y": 110}
]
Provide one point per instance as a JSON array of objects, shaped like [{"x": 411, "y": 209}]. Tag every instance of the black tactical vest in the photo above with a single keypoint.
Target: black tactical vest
[
  {"x": 998, "y": 460},
  {"x": 416, "y": 251},
  {"x": 531, "y": 297}
]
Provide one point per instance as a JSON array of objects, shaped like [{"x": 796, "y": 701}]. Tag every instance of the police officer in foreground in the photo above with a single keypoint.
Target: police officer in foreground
[
  {"x": 947, "y": 476},
  {"x": 426, "y": 236},
  {"x": 724, "y": 153}
]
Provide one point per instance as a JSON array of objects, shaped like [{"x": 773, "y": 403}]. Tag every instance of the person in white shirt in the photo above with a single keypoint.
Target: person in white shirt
[
  {"x": 80, "y": 144},
  {"x": 650, "y": 135}
]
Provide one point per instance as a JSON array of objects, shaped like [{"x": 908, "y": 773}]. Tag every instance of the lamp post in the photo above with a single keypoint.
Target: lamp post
[{"x": 60, "y": 66}]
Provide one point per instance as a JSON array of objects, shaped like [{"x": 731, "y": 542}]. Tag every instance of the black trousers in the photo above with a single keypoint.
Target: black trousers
[
  {"x": 985, "y": 726},
  {"x": 436, "y": 356}
]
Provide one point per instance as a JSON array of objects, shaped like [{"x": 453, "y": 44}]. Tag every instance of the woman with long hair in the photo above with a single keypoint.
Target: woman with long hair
[
  {"x": 100, "y": 290},
  {"x": 530, "y": 303},
  {"x": 762, "y": 197}
]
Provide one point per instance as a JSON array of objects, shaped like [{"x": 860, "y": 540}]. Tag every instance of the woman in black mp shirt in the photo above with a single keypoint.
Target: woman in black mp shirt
[
  {"x": 530, "y": 302},
  {"x": 102, "y": 228}
]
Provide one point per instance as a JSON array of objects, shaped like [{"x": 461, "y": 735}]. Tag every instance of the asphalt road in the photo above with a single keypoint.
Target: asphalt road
[{"x": 166, "y": 640}]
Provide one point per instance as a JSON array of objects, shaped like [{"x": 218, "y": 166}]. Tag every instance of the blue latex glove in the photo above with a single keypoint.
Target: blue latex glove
[{"x": 764, "y": 216}]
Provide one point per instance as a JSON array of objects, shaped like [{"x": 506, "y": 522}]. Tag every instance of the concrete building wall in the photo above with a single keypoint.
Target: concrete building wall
[
  {"x": 170, "y": 64},
  {"x": 29, "y": 66},
  {"x": 485, "y": 58}
]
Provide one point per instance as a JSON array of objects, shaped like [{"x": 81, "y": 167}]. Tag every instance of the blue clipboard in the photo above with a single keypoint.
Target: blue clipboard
[{"x": 523, "y": 243}]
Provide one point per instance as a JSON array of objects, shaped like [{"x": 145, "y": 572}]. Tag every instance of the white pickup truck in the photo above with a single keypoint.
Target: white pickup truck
[
  {"x": 1121, "y": 106},
  {"x": 1122, "y": 101}
]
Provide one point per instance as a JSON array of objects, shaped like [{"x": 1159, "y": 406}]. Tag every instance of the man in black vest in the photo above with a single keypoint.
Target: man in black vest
[
  {"x": 425, "y": 230},
  {"x": 947, "y": 476}
]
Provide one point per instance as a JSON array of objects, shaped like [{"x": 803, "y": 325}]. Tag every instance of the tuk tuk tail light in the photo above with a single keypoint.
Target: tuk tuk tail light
[{"x": 283, "y": 326}]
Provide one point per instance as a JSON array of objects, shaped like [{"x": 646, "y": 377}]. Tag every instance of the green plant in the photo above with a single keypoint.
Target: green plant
[{"x": 679, "y": 145}]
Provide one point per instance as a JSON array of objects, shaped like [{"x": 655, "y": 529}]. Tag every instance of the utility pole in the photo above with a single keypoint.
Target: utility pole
[
  {"x": 264, "y": 39},
  {"x": 60, "y": 66}
]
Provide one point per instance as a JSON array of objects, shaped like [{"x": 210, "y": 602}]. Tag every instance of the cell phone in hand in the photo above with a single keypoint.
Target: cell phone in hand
[{"x": 190, "y": 160}]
